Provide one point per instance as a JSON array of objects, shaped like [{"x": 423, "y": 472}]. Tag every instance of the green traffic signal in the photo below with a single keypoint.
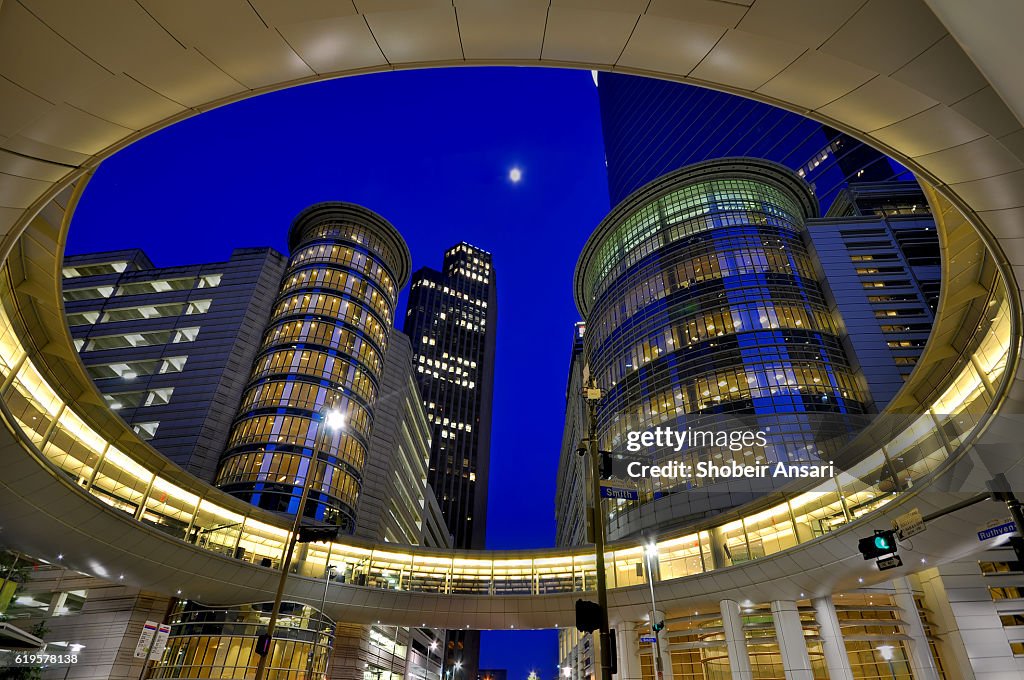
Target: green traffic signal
[{"x": 882, "y": 543}]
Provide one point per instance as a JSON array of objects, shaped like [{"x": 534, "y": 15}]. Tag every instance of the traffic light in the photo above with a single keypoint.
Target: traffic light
[
  {"x": 263, "y": 644},
  {"x": 588, "y": 616},
  {"x": 606, "y": 465},
  {"x": 317, "y": 534},
  {"x": 657, "y": 621},
  {"x": 881, "y": 544}
]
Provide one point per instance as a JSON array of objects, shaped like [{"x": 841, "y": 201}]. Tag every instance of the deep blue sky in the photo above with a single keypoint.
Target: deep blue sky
[{"x": 431, "y": 151}]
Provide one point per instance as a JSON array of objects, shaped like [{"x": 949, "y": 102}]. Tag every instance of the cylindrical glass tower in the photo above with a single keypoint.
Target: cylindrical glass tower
[
  {"x": 701, "y": 302},
  {"x": 323, "y": 350}
]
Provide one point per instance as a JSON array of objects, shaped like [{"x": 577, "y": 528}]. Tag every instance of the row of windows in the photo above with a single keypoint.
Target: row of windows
[
  {"x": 906, "y": 311},
  {"x": 687, "y": 332},
  {"x": 890, "y": 283},
  {"x": 669, "y": 277},
  {"x": 289, "y": 469},
  {"x": 354, "y": 286},
  {"x": 347, "y": 257},
  {"x": 319, "y": 366},
  {"x": 146, "y": 339},
  {"x": 775, "y": 382},
  {"x": 303, "y": 395},
  {"x": 156, "y": 311},
  {"x": 221, "y": 657},
  {"x": 94, "y": 269},
  {"x": 455, "y": 292},
  {"x": 158, "y": 397},
  {"x": 129, "y": 370},
  {"x": 301, "y": 431},
  {"x": 143, "y": 287},
  {"x": 361, "y": 235},
  {"x": 334, "y": 307},
  {"x": 680, "y": 214},
  {"x": 326, "y": 334}
]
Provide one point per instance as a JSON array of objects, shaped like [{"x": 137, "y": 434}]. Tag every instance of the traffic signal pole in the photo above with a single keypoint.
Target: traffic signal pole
[{"x": 592, "y": 395}]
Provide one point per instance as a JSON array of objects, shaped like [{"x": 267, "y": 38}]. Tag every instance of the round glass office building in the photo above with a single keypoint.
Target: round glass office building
[
  {"x": 321, "y": 357},
  {"x": 704, "y": 313}
]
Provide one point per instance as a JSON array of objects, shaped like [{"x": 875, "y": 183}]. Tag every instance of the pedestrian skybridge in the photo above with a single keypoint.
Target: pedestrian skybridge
[{"x": 79, "y": 487}]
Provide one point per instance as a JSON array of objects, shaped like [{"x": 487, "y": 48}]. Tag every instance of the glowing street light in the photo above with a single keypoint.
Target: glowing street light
[
  {"x": 334, "y": 419},
  {"x": 331, "y": 419}
]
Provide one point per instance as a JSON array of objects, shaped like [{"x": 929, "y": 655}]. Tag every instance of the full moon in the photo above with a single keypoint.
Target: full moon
[{"x": 515, "y": 174}]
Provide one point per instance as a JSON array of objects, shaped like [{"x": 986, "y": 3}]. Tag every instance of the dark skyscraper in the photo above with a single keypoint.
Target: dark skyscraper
[
  {"x": 652, "y": 127},
  {"x": 169, "y": 347},
  {"x": 880, "y": 249},
  {"x": 452, "y": 323}
]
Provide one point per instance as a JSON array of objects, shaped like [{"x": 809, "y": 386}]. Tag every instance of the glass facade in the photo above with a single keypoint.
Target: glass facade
[
  {"x": 701, "y": 301},
  {"x": 211, "y": 642},
  {"x": 322, "y": 350},
  {"x": 651, "y": 127}
]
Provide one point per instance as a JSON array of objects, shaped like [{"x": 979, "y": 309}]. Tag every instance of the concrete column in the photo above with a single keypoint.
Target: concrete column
[
  {"x": 922, "y": 664},
  {"x": 736, "y": 641},
  {"x": 666, "y": 656},
  {"x": 796, "y": 663},
  {"x": 836, "y": 659},
  {"x": 629, "y": 651}
]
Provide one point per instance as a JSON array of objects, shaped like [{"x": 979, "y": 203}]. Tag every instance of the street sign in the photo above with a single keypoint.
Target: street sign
[
  {"x": 146, "y": 639},
  {"x": 889, "y": 563},
  {"x": 997, "y": 528},
  {"x": 909, "y": 524},
  {"x": 647, "y": 639},
  {"x": 619, "y": 492},
  {"x": 160, "y": 642}
]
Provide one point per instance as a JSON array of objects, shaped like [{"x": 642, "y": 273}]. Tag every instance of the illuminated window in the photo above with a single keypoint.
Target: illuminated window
[
  {"x": 209, "y": 280},
  {"x": 142, "y": 339},
  {"x": 146, "y": 431},
  {"x": 88, "y": 293},
  {"x": 83, "y": 318},
  {"x": 148, "y": 312},
  {"x": 159, "y": 286},
  {"x": 94, "y": 269}
]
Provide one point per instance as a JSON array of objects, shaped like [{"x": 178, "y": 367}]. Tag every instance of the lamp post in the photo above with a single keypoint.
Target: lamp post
[
  {"x": 649, "y": 552},
  {"x": 592, "y": 396},
  {"x": 328, "y": 573},
  {"x": 330, "y": 419}
]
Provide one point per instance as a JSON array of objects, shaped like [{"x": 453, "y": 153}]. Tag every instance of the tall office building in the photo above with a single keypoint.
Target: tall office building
[
  {"x": 452, "y": 322},
  {"x": 169, "y": 347},
  {"x": 323, "y": 350},
  {"x": 879, "y": 247},
  {"x": 313, "y": 335},
  {"x": 652, "y": 127},
  {"x": 875, "y": 261},
  {"x": 571, "y": 483},
  {"x": 702, "y": 304}
]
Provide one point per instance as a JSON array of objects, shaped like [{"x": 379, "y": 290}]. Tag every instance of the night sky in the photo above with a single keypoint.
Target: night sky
[{"x": 431, "y": 151}]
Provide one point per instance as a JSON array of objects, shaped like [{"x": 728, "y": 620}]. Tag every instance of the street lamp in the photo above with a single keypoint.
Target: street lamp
[
  {"x": 328, "y": 573},
  {"x": 592, "y": 396},
  {"x": 330, "y": 419},
  {"x": 650, "y": 551}
]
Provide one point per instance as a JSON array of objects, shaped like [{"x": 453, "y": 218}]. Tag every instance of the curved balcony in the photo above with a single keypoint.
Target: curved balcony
[{"x": 78, "y": 482}]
